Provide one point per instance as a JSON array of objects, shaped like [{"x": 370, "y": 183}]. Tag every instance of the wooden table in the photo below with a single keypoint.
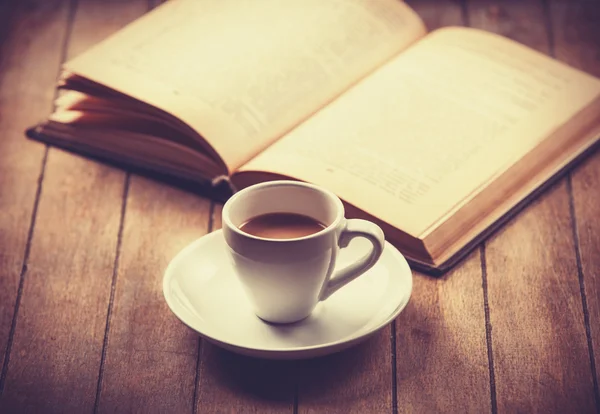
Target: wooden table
[{"x": 84, "y": 326}]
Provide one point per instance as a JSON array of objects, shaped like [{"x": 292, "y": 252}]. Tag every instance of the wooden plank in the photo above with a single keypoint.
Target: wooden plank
[
  {"x": 539, "y": 342},
  {"x": 358, "y": 380},
  {"x": 151, "y": 356},
  {"x": 233, "y": 383},
  {"x": 518, "y": 20},
  {"x": 61, "y": 323},
  {"x": 95, "y": 21},
  {"x": 441, "y": 352},
  {"x": 30, "y": 53},
  {"x": 576, "y": 28},
  {"x": 438, "y": 13},
  {"x": 154, "y": 3}
]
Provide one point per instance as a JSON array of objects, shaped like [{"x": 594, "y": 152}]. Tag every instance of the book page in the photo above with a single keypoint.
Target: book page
[
  {"x": 426, "y": 132},
  {"x": 244, "y": 72}
]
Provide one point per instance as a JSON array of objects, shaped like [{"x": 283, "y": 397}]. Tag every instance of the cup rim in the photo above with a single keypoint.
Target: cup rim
[{"x": 283, "y": 183}]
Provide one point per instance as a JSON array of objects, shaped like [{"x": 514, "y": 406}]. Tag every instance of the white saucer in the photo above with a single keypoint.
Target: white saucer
[{"x": 203, "y": 292}]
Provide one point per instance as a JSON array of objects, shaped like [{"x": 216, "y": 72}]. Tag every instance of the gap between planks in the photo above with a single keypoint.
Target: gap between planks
[
  {"x": 113, "y": 284},
  {"x": 488, "y": 331},
  {"x": 586, "y": 313}
]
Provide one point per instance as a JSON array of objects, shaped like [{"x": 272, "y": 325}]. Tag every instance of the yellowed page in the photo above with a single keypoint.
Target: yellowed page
[
  {"x": 243, "y": 72},
  {"x": 424, "y": 134}
]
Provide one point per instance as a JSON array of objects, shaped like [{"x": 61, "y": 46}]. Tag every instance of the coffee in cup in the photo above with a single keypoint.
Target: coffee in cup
[{"x": 282, "y": 226}]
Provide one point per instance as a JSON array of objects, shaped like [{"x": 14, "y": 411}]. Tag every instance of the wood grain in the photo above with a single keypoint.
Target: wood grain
[
  {"x": 576, "y": 28},
  {"x": 522, "y": 21},
  {"x": 539, "y": 342},
  {"x": 154, "y": 3},
  {"x": 60, "y": 327},
  {"x": 30, "y": 52},
  {"x": 441, "y": 352},
  {"x": 358, "y": 380},
  {"x": 62, "y": 318},
  {"x": 438, "y": 13},
  {"x": 150, "y": 361},
  {"x": 233, "y": 383},
  {"x": 96, "y": 20}
]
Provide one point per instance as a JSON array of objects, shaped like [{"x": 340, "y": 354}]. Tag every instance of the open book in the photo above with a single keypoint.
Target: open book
[{"x": 436, "y": 137}]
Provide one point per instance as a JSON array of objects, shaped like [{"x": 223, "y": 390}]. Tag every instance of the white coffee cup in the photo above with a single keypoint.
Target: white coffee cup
[{"x": 284, "y": 279}]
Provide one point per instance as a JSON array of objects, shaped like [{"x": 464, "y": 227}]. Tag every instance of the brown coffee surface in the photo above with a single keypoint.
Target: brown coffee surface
[{"x": 282, "y": 226}]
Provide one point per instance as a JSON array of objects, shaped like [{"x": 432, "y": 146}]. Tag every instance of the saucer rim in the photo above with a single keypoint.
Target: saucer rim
[{"x": 357, "y": 337}]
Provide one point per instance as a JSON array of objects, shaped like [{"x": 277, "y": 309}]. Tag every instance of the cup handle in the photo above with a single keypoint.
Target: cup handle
[{"x": 355, "y": 228}]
